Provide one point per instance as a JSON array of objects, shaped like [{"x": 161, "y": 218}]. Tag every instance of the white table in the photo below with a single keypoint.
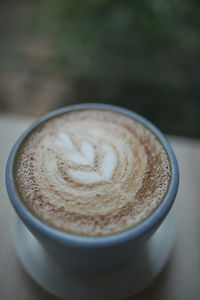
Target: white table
[{"x": 181, "y": 277}]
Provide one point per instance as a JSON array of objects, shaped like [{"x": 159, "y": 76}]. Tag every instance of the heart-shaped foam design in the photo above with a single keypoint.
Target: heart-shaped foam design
[{"x": 85, "y": 157}]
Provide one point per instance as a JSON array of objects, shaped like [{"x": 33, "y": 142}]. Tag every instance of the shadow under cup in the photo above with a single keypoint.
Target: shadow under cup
[{"x": 92, "y": 254}]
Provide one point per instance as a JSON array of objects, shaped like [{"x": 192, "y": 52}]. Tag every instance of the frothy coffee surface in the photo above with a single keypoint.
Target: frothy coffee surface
[{"x": 92, "y": 172}]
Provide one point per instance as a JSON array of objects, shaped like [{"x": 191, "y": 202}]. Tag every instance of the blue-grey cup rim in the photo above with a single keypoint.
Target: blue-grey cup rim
[{"x": 134, "y": 233}]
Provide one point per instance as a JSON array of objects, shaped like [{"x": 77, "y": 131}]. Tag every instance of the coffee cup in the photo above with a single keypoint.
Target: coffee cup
[{"x": 92, "y": 253}]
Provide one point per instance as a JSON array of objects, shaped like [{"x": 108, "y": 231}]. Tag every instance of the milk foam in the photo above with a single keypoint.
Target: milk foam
[{"x": 92, "y": 172}]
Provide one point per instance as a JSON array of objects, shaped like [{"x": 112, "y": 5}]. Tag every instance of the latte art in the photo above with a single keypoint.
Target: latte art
[
  {"x": 84, "y": 156},
  {"x": 92, "y": 172}
]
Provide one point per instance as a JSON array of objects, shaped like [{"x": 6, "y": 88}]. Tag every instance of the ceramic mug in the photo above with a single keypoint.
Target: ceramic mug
[{"x": 93, "y": 254}]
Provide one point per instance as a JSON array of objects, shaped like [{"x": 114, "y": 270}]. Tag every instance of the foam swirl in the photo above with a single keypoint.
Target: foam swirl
[{"x": 92, "y": 172}]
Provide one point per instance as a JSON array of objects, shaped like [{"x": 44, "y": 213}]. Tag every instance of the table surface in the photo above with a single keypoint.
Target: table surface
[{"x": 180, "y": 279}]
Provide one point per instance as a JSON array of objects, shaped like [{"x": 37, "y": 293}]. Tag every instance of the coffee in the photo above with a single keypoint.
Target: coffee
[{"x": 92, "y": 172}]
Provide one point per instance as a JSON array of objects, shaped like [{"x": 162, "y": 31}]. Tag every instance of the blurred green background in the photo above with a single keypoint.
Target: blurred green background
[{"x": 143, "y": 55}]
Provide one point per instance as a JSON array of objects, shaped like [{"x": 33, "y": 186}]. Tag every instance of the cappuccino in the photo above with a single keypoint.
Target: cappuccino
[{"x": 92, "y": 172}]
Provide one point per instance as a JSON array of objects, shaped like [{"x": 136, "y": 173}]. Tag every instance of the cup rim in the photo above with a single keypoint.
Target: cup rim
[{"x": 134, "y": 233}]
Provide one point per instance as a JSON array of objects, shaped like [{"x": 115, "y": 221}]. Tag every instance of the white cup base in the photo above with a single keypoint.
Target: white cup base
[{"x": 115, "y": 285}]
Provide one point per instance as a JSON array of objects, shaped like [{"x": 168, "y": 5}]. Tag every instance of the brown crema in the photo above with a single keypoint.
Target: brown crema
[{"x": 92, "y": 172}]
